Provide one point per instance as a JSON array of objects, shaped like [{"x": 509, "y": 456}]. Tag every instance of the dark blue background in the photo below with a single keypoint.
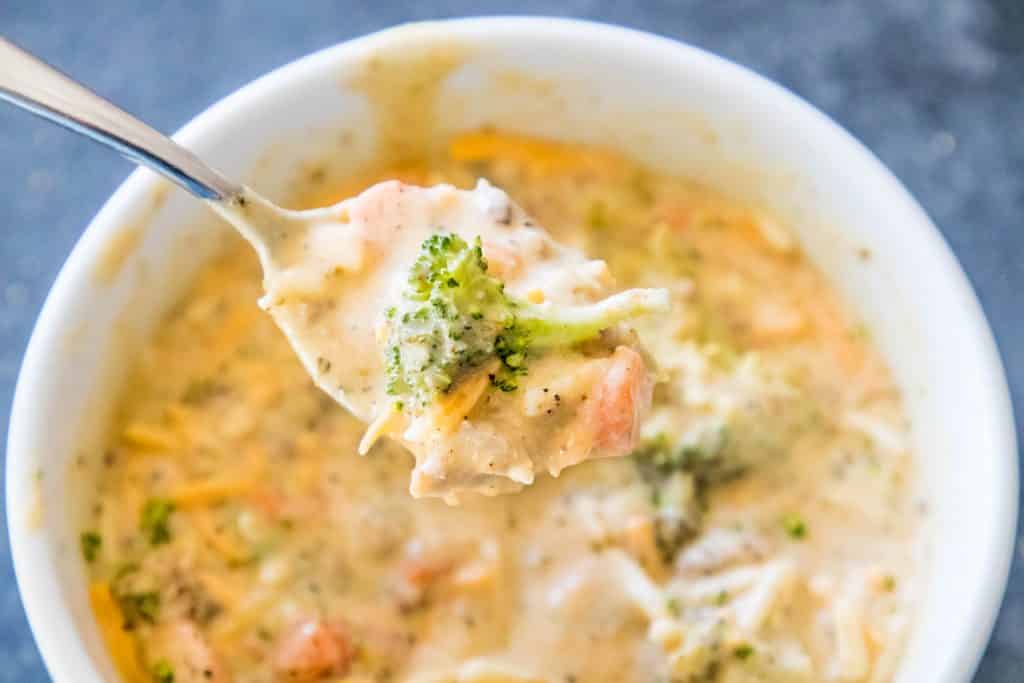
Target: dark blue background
[{"x": 934, "y": 87}]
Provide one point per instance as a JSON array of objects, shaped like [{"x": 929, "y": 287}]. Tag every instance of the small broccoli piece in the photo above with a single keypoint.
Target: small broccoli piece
[
  {"x": 713, "y": 459},
  {"x": 453, "y": 317},
  {"x": 155, "y": 520},
  {"x": 680, "y": 476},
  {"x": 139, "y": 607},
  {"x": 136, "y": 596}
]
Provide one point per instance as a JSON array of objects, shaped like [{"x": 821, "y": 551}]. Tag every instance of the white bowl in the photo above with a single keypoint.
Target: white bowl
[{"x": 668, "y": 104}]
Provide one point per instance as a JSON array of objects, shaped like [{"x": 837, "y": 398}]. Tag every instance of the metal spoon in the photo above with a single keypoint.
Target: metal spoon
[{"x": 31, "y": 84}]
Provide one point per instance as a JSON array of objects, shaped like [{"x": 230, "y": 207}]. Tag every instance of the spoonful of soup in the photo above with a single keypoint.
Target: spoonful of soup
[{"x": 443, "y": 318}]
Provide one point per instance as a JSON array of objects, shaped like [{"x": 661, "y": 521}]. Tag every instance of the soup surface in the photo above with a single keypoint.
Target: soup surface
[{"x": 765, "y": 530}]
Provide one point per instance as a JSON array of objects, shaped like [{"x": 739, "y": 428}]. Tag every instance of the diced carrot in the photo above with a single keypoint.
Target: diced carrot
[
  {"x": 311, "y": 650},
  {"x": 619, "y": 400},
  {"x": 423, "y": 571}
]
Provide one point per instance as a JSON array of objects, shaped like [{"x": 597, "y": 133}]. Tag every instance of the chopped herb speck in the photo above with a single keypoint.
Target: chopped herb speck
[
  {"x": 155, "y": 520},
  {"x": 135, "y": 607},
  {"x": 743, "y": 651},
  {"x": 795, "y": 526},
  {"x": 163, "y": 672},
  {"x": 91, "y": 542}
]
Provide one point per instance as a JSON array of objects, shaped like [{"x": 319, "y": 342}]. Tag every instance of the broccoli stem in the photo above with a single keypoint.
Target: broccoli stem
[{"x": 550, "y": 325}]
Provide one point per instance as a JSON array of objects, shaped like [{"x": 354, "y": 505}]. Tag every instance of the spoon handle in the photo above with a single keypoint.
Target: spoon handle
[{"x": 31, "y": 84}]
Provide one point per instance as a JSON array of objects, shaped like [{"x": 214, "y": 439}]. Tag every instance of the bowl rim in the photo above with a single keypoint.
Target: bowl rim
[{"x": 68, "y": 661}]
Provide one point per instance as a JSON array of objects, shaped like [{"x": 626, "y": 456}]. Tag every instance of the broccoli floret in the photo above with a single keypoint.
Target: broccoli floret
[
  {"x": 447, "y": 321},
  {"x": 453, "y": 317}
]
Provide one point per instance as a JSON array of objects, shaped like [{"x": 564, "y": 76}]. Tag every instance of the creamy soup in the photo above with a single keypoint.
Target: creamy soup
[{"x": 764, "y": 529}]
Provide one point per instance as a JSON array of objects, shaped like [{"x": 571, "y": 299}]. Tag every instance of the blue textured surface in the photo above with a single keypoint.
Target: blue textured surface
[{"x": 934, "y": 87}]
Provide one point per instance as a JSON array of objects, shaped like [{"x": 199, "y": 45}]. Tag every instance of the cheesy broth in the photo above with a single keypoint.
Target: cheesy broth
[{"x": 765, "y": 530}]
